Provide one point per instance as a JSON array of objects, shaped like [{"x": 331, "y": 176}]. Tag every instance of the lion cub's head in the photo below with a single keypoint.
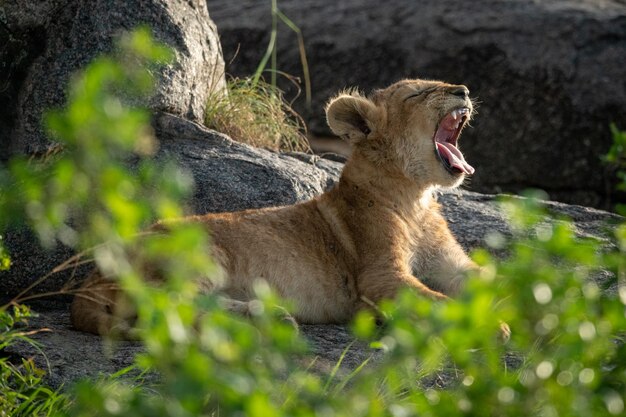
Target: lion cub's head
[{"x": 410, "y": 128}]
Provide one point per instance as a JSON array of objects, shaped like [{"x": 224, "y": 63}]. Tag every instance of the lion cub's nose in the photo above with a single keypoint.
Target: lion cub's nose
[{"x": 459, "y": 91}]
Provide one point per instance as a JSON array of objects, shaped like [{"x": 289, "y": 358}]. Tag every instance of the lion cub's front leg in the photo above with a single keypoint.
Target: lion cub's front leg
[{"x": 376, "y": 286}]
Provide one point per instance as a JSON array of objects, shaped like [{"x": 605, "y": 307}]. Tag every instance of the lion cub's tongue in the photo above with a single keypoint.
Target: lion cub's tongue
[{"x": 454, "y": 157}]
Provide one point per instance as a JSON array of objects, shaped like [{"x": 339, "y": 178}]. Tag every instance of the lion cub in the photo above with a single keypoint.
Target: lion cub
[{"x": 357, "y": 243}]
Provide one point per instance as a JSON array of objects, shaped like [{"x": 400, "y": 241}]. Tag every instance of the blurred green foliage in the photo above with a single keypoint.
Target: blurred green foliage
[
  {"x": 22, "y": 390},
  {"x": 566, "y": 355}
]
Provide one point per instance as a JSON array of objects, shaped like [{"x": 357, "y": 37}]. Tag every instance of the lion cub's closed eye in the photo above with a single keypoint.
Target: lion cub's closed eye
[{"x": 378, "y": 230}]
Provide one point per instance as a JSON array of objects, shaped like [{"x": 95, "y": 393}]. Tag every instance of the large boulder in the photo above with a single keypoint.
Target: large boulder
[
  {"x": 548, "y": 75},
  {"x": 47, "y": 41}
]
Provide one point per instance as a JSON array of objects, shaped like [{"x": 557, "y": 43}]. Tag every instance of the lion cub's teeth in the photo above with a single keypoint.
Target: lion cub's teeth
[{"x": 455, "y": 114}]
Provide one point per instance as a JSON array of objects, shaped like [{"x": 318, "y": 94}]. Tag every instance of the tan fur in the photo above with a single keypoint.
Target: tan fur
[{"x": 355, "y": 244}]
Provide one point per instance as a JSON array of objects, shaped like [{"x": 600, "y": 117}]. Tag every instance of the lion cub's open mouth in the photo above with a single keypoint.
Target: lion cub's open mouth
[{"x": 446, "y": 138}]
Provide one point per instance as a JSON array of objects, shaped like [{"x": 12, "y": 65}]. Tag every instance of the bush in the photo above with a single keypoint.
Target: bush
[{"x": 566, "y": 356}]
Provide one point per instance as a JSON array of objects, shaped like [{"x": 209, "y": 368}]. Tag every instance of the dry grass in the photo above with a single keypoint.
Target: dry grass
[{"x": 256, "y": 113}]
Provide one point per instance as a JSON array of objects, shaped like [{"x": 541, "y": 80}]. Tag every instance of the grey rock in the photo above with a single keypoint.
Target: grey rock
[
  {"x": 47, "y": 41},
  {"x": 232, "y": 176},
  {"x": 472, "y": 216},
  {"x": 549, "y": 75}
]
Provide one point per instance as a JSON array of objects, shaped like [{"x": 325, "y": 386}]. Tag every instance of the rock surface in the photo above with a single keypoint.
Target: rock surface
[
  {"x": 231, "y": 176},
  {"x": 47, "y": 41},
  {"x": 549, "y": 75},
  {"x": 67, "y": 355}
]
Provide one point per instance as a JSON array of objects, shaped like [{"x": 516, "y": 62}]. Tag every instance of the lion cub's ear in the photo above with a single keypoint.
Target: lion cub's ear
[{"x": 351, "y": 116}]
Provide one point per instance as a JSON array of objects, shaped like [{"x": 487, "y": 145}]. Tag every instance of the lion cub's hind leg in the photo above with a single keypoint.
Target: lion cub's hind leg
[{"x": 99, "y": 307}]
